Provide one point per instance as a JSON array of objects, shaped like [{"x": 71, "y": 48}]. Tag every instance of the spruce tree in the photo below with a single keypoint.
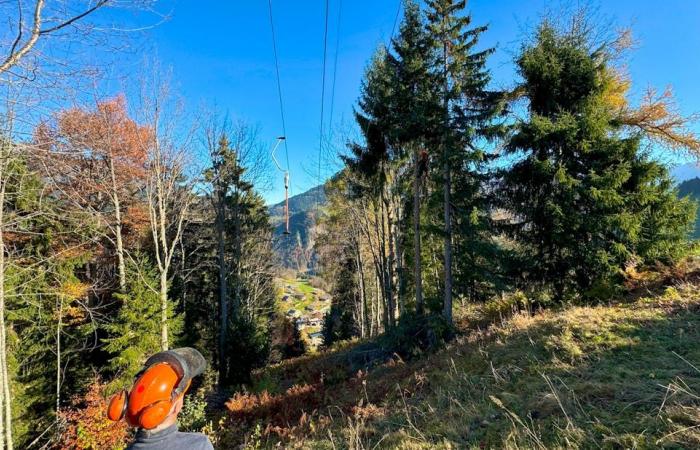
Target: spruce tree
[
  {"x": 465, "y": 119},
  {"x": 585, "y": 199},
  {"x": 395, "y": 112},
  {"x": 413, "y": 111},
  {"x": 134, "y": 334},
  {"x": 227, "y": 255}
]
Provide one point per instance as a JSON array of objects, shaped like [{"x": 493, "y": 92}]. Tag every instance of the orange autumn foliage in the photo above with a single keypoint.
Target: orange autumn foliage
[
  {"x": 81, "y": 151},
  {"x": 86, "y": 426},
  {"x": 104, "y": 133},
  {"x": 282, "y": 408}
]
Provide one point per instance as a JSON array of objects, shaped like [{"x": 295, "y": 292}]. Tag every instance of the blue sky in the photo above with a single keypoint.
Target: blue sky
[{"x": 221, "y": 54}]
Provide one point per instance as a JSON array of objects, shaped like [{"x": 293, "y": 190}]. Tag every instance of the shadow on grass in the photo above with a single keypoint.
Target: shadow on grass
[{"x": 586, "y": 377}]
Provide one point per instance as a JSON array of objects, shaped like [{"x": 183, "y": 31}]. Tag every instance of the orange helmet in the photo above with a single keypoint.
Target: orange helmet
[{"x": 165, "y": 378}]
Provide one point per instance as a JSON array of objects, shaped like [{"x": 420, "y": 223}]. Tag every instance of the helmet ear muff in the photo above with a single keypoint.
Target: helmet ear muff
[
  {"x": 149, "y": 403},
  {"x": 181, "y": 389},
  {"x": 155, "y": 414},
  {"x": 117, "y": 406}
]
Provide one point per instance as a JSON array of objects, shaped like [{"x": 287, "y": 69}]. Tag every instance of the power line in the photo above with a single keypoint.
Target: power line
[
  {"x": 323, "y": 95},
  {"x": 335, "y": 68},
  {"x": 396, "y": 20},
  {"x": 279, "y": 85}
]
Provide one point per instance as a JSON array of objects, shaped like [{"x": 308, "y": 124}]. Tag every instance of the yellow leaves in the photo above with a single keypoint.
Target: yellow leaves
[
  {"x": 73, "y": 315},
  {"x": 660, "y": 120},
  {"x": 74, "y": 289},
  {"x": 69, "y": 313},
  {"x": 616, "y": 84},
  {"x": 658, "y": 117}
]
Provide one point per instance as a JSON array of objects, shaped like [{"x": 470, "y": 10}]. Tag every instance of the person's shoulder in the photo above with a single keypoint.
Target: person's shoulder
[{"x": 194, "y": 441}]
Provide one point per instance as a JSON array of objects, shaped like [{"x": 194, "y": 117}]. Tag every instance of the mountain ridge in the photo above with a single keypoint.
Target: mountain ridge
[{"x": 296, "y": 250}]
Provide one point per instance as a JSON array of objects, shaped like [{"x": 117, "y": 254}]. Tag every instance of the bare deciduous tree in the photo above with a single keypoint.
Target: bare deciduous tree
[{"x": 169, "y": 190}]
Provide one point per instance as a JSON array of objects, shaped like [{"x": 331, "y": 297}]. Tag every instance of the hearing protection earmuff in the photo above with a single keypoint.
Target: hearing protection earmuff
[{"x": 164, "y": 379}]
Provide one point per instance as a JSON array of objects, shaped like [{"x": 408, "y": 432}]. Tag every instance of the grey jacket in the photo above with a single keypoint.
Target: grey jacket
[{"x": 170, "y": 439}]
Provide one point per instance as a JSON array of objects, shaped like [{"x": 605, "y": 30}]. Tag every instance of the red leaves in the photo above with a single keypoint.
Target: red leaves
[
  {"x": 279, "y": 409},
  {"x": 97, "y": 159},
  {"x": 86, "y": 425}
]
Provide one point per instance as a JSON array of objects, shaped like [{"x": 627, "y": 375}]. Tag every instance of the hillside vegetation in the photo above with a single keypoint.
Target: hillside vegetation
[{"x": 621, "y": 375}]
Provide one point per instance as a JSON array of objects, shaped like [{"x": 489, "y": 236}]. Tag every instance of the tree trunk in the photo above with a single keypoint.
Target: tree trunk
[
  {"x": 400, "y": 286},
  {"x": 118, "y": 228},
  {"x": 380, "y": 307},
  {"x": 381, "y": 264},
  {"x": 417, "y": 270},
  {"x": 164, "y": 310},
  {"x": 387, "y": 238},
  {"x": 2, "y": 410},
  {"x": 164, "y": 264},
  {"x": 59, "y": 325},
  {"x": 223, "y": 287},
  {"x": 236, "y": 257},
  {"x": 3, "y": 334},
  {"x": 363, "y": 291},
  {"x": 447, "y": 302}
]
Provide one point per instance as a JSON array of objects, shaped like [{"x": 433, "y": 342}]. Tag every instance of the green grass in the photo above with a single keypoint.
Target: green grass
[
  {"x": 620, "y": 376},
  {"x": 625, "y": 375},
  {"x": 301, "y": 287}
]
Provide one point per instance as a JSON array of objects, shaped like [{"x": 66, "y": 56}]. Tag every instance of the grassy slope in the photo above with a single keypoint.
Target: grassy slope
[{"x": 617, "y": 376}]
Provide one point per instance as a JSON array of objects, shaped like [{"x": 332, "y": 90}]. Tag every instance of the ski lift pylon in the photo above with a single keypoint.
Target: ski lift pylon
[{"x": 286, "y": 185}]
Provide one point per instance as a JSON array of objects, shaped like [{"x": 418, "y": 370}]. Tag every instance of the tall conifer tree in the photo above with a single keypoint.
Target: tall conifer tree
[
  {"x": 413, "y": 112},
  {"x": 585, "y": 199},
  {"x": 467, "y": 110}
]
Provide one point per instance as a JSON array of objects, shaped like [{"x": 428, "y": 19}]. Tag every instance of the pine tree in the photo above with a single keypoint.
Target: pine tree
[
  {"x": 585, "y": 199},
  {"x": 227, "y": 259}
]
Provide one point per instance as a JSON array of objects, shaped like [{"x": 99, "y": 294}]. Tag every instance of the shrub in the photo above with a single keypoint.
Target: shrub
[
  {"x": 193, "y": 415},
  {"x": 86, "y": 425},
  {"x": 415, "y": 334},
  {"x": 505, "y": 306}
]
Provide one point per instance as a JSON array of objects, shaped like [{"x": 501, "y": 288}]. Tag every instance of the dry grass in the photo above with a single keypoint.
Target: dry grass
[{"x": 611, "y": 376}]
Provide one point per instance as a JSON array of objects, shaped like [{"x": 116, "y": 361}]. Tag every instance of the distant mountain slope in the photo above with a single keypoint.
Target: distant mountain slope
[
  {"x": 295, "y": 251},
  {"x": 304, "y": 202},
  {"x": 692, "y": 188},
  {"x": 685, "y": 172}
]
